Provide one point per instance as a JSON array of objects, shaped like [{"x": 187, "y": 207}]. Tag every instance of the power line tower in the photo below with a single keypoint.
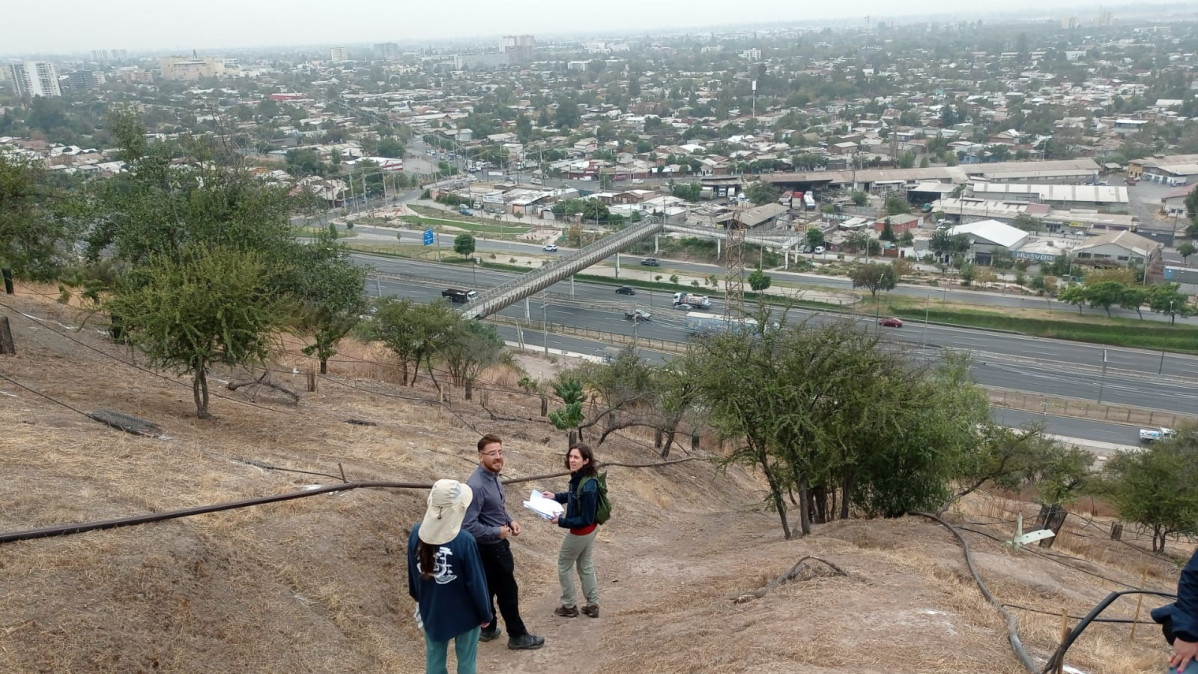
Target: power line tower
[{"x": 734, "y": 271}]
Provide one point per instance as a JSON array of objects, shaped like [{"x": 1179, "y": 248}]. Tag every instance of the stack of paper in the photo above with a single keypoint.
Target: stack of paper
[{"x": 545, "y": 507}]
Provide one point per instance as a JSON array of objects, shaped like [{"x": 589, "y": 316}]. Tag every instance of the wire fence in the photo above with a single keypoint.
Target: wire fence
[{"x": 1082, "y": 409}]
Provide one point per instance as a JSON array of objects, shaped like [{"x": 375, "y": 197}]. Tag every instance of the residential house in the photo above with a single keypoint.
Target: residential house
[
  {"x": 761, "y": 216},
  {"x": 1174, "y": 203},
  {"x": 898, "y": 223},
  {"x": 1119, "y": 249}
]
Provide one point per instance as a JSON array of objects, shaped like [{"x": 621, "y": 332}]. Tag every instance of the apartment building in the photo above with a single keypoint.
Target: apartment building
[{"x": 34, "y": 78}]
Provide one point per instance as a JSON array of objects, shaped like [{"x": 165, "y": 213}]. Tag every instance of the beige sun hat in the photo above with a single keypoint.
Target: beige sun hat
[{"x": 447, "y": 504}]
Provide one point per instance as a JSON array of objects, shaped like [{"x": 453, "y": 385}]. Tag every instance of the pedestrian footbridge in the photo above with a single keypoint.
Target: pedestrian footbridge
[
  {"x": 496, "y": 299},
  {"x": 526, "y": 285}
]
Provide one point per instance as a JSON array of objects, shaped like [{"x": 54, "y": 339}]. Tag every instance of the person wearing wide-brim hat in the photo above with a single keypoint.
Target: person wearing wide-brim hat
[{"x": 445, "y": 577}]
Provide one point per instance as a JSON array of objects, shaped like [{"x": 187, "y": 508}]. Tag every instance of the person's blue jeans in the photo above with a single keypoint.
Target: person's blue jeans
[{"x": 465, "y": 646}]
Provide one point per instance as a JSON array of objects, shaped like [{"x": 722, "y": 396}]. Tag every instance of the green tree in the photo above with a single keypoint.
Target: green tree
[
  {"x": 463, "y": 244},
  {"x": 887, "y": 231},
  {"x": 1157, "y": 487},
  {"x": 414, "y": 332},
  {"x": 1133, "y": 297},
  {"x": 37, "y": 229},
  {"x": 759, "y": 281},
  {"x": 1166, "y": 298},
  {"x": 762, "y": 193},
  {"x": 201, "y": 306},
  {"x": 820, "y": 407},
  {"x": 815, "y": 238},
  {"x": 944, "y": 243},
  {"x": 329, "y": 289},
  {"x": 1104, "y": 294},
  {"x": 569, "y": 417},
  {"x": 1071, "y": 294},
  {"x": 968, "y": 273},
  {"x": 1186, "y": 249},
  {"x": 690, "y": 191},
  {"x": 523, "y": 128},
  {"x": 907, "y": 160},
  {"x": 873, "y": 248},
  {"x": 473, "y": 346},
  {"x": 897, "y": 204},
  {"x": 391, "y": 147},
  {"x": 873, "y": 277},
  {"x": 856, "y": 242}
]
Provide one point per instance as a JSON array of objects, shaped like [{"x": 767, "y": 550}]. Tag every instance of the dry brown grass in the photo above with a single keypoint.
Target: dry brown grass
[{"x": 319, "y": 584}]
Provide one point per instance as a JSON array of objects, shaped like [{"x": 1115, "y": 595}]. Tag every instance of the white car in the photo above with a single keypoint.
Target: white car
[
  {"x": 1150, "y": 435},
  {"x": 819, "y": 250},
  {"x": 550, "y": 248}
]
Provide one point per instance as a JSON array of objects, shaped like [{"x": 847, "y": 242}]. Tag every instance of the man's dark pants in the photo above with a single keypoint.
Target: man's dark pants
[{"x": 500, "y": 568}]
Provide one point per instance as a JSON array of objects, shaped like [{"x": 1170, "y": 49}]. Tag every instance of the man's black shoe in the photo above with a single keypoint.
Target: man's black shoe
[
  {"x": 488, "y": 635},
  {"x": 525, "y": 642}
]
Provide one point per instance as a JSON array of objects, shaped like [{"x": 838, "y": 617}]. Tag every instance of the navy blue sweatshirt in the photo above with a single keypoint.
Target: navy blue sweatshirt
[
  {"x": 455, "y": 599},
  {"x": 1180, "y": 619},
  {"x": 580, "y": 512}
]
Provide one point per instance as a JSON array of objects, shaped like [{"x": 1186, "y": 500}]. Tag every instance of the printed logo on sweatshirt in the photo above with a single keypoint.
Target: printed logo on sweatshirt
[{"x": 442, "y": 571}]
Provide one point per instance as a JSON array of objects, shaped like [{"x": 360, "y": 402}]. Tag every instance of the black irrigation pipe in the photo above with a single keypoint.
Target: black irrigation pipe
[
  {"x": 1118, "y": 621},
  {"x": 1012, "y": 628},
  {"x": 1059, "y": 655},
  {"x": 69, "y": 529}
]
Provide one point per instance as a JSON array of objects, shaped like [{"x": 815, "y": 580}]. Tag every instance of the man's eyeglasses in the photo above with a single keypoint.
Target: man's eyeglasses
[{"x": 493, "y": 455}]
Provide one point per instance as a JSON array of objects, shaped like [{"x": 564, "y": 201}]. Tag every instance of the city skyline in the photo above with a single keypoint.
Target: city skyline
[{"x": 222, "y": 24}]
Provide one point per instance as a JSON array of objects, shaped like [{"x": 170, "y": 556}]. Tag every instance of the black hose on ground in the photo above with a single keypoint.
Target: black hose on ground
[
  {"x": 1090, "y": 617},
  {"x": 1012, "y": 628},
  {"x": 68, "y": 529}
]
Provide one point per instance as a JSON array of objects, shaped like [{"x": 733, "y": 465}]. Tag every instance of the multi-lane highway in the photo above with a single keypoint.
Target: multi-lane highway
[
  {"x": 1017, "y": 362},
  {"x": 929, "y": 294}
]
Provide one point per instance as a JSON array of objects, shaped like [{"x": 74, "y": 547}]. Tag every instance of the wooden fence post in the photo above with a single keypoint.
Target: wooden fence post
[{"x": 7, "y": 346}]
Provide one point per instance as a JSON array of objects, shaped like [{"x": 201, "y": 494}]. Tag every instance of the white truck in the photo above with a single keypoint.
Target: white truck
[
  {"x": 699, "y": 323},
  {"x": 1151, "y": 435},
  {"x": 696, "y": 301}
]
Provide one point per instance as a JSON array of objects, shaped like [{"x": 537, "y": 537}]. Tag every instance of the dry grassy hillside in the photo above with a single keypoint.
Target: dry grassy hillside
[{"x": 319, "y": 585}]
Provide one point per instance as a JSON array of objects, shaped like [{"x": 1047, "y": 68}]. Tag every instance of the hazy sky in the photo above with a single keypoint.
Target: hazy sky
[{"x": 71, "y": 26}]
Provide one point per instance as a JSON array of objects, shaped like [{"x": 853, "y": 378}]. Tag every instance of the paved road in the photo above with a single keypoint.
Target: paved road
[
  {"x": 931, "y": 295},
  {"x": 1083, "y": 429},
  {"x": 1016, "y": 362}
]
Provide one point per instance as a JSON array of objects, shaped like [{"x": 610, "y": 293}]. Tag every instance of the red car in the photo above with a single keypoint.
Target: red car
[{"x": 891, "y": 322}]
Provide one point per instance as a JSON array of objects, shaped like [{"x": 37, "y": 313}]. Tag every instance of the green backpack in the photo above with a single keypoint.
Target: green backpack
[{"x": 603, "y": 510}]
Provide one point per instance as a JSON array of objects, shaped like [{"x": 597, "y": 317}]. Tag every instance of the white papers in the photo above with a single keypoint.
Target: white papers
[{"x": 545, "y": 507}]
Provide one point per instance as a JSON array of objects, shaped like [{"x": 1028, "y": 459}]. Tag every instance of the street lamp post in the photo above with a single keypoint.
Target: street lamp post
[
  {"x": 1102, "y": 382},
  {"x": 545, "y": 325},
  {"x": 1160, "y": 370},
  {"x": 926, "y": 310}
]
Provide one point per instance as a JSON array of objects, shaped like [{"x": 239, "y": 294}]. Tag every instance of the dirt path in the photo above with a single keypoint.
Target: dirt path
[{"x": 638, "y": 571}]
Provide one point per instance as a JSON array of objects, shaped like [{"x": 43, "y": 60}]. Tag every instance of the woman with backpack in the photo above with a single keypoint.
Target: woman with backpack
[{"x": 581, "y": 499}]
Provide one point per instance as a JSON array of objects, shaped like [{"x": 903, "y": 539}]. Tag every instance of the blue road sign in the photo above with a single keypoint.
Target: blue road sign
[{"x": 428, "y": 237}]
